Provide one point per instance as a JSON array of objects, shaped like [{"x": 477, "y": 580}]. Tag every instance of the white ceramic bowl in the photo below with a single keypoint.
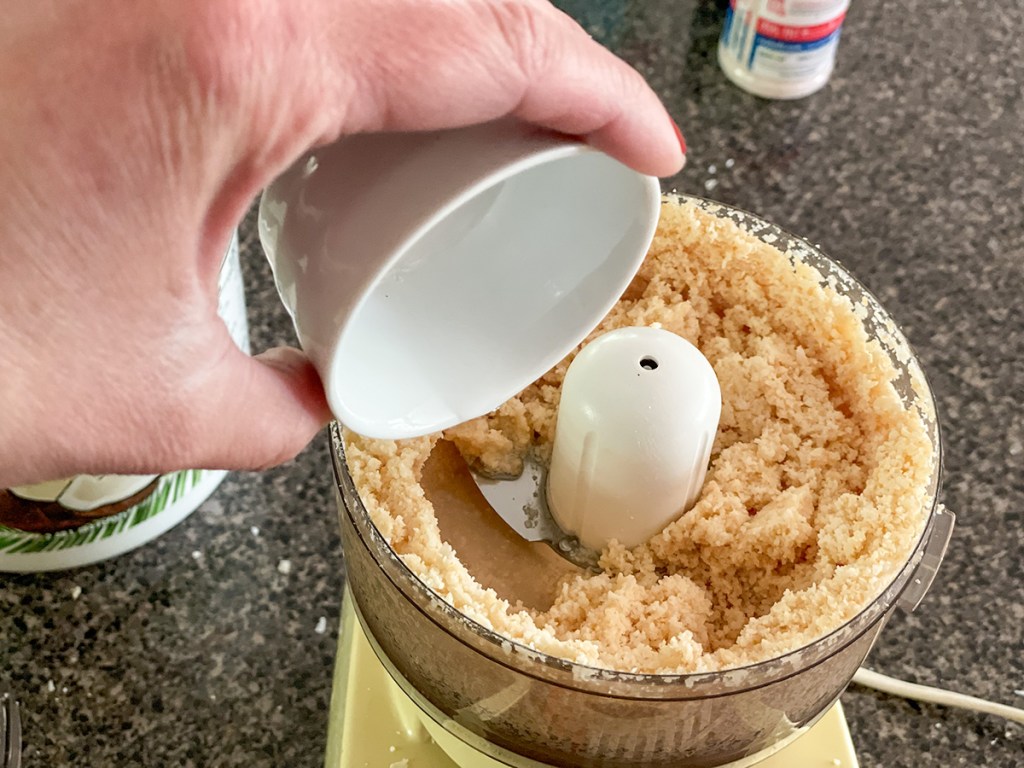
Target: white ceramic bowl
[{"x": 431, "y": 276}]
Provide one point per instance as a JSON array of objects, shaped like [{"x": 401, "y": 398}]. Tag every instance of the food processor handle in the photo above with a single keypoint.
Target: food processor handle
[{"x": 939, "y": 532}]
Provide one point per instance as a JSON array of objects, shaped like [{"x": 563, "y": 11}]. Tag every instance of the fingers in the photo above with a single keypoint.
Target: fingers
[
  {"x": 256, "y": 412},
  {"x": 289, "y": 76},
  {"x": 438, "y": 65},
  {"x": 627, "y": 122},
  {"x": 240, "y": 413},
  {"x": 576, "y": 86}
]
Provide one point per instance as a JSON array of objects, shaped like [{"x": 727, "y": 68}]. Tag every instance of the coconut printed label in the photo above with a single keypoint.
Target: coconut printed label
[{"x": 66, "y": 505}]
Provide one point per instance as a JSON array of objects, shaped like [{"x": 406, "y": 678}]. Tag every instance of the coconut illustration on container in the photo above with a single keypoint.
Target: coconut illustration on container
[{"x": 60, "y": 505}]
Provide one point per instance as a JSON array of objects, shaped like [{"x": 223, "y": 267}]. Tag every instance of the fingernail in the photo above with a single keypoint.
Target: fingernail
[{"x": 679, "y": 135}]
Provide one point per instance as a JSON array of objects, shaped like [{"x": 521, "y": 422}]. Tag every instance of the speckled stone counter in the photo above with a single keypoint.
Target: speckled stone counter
[{"x": 213, "y": 646}]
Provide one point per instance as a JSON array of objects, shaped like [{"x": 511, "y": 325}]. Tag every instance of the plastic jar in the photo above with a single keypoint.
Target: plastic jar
[
  {"x": 83, "y": 519},
  {"x": 781, "y": 49}
]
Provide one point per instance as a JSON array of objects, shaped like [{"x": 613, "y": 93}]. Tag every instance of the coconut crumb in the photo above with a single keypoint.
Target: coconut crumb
[{"x": 814, "y": 497}]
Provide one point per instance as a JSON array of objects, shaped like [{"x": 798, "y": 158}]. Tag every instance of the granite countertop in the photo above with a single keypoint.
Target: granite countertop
[{"x": 204, "y": 648}]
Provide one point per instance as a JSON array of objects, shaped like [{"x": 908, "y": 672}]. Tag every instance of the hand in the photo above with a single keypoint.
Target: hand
[{"x": 134, "y": 135}]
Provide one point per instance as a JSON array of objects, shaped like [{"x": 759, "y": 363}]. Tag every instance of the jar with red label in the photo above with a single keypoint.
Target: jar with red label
[{"x": 781, "y": 49}]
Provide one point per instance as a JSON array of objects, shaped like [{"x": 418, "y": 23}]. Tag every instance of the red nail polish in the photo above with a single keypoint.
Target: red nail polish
[{"x": 679, "y": 135}]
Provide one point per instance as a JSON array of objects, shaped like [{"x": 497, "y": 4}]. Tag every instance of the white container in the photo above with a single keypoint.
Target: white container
[
  {"x": 781, "y": 49},
  {"x": 83, "y": 519},
  {"x": 433, "y": 275}
]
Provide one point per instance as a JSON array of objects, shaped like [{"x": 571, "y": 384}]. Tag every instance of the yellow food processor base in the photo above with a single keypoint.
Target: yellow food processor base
[{"x": 373, "y": 724}]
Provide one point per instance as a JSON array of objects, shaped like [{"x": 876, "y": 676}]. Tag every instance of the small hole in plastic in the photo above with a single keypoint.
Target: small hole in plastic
[{"x": 648, "y": 363}]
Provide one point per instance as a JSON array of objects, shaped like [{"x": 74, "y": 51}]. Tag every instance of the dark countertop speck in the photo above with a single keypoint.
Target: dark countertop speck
[{"x": 197, "y": 650}]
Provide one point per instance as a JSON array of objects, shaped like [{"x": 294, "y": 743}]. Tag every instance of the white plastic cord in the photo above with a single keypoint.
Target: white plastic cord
[{"x": 891, "y": 685}]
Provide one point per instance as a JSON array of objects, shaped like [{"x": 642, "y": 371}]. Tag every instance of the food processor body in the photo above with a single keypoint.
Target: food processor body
[{"x": 524, "y": 707}]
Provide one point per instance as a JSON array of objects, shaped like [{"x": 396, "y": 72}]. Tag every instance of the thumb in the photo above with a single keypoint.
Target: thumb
[{"x": 260, "y": 411}]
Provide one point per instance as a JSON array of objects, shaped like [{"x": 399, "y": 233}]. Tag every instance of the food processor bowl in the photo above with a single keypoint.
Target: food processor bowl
[{"x": 524, "y": 708}]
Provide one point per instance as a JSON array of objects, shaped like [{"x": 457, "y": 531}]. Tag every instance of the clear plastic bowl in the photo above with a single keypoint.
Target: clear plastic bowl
[{"x": 524, "y": 707}]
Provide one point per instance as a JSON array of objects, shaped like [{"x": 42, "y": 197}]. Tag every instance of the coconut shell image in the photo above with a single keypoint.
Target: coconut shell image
[{"x": 63, "y": 505}]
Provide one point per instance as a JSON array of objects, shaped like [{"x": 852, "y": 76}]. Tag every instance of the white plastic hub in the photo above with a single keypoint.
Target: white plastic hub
[{"x": 636, "y": 423}]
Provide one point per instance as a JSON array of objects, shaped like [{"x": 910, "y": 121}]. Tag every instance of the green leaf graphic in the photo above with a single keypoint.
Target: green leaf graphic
[{"x": 170, "y": 489}]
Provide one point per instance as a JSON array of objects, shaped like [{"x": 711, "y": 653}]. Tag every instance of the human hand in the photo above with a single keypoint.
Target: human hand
[{"x": 132, "y": 139}]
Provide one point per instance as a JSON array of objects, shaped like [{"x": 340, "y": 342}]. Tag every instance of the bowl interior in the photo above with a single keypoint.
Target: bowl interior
[{"x": 490, "y": 293}]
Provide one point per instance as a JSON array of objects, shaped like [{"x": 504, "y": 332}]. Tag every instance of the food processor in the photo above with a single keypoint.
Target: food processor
[{"x": 443, "y": 690}]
